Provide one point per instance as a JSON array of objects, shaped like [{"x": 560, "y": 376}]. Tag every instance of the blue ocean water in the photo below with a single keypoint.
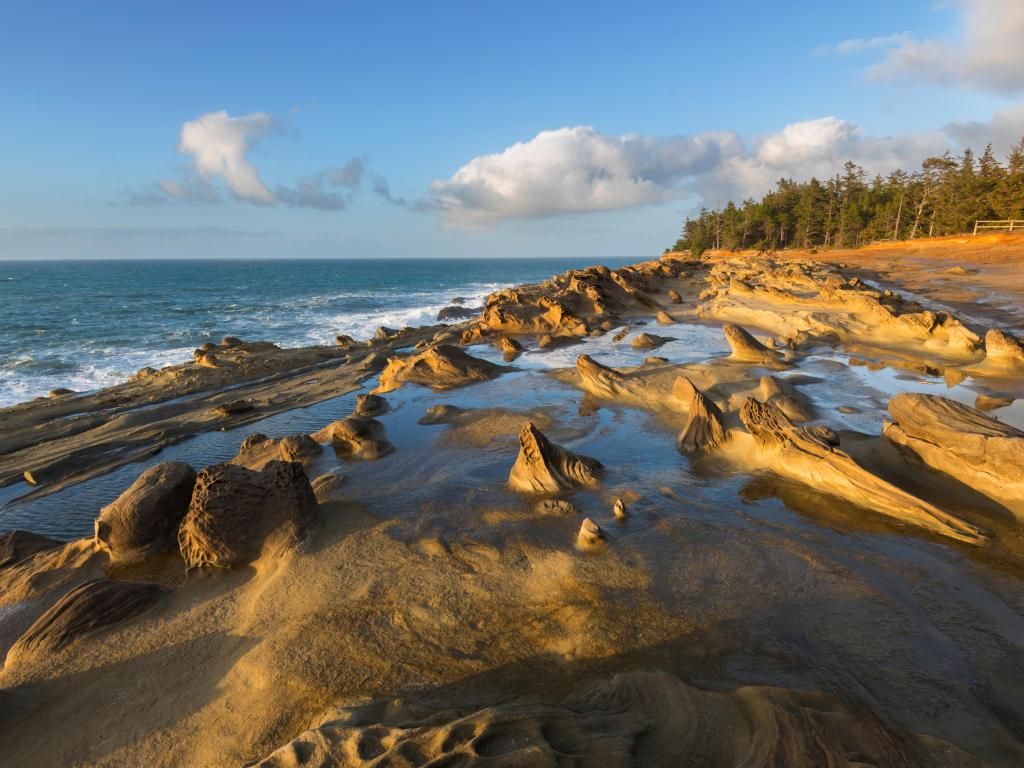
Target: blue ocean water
[{"x": 89, "y": 324}]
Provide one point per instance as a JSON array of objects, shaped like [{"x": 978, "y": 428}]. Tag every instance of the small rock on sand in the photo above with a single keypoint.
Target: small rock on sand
[{"x": 591, "y": 535}]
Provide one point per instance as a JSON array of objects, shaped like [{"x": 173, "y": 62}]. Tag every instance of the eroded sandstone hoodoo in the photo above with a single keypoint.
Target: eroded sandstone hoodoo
[
  {"x": 979, "y": 451},
  {"x": 441, "y": 367},
  {"x": 746, "y": 348},
  {"x": 543, "y": 467},
  {"x": 811, "y": 455},
  {"x": 704, "y": 430},
  {"x": 356, "y": 438},
  {"x": 87, "y": 608},
  {"x": 234, "y": 510},
  {"x": 143, "y": 521},
  {"x": 258, "y": 450}
]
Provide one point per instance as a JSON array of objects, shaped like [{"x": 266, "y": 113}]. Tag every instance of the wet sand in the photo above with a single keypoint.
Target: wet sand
[{"x": 739, "y": 613}]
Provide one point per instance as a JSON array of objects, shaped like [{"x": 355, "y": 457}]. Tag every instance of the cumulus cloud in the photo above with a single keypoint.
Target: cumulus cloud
[
  {"x": 574, "y": 170},
  {"x": 580, "y": 170},
  {"x": 987, "y": 52},
  {"x": 219, "y": 145}
]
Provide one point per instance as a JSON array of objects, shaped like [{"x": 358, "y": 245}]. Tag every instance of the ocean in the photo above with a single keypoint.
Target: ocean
[{"x": 89, "y": 324}]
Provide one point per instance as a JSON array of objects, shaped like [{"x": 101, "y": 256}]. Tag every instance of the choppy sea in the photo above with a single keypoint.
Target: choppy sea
[{"x": 89, "y": 324}]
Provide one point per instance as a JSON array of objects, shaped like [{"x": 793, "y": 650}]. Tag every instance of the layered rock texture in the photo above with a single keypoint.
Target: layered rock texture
[{"x": 543, "y": 467}]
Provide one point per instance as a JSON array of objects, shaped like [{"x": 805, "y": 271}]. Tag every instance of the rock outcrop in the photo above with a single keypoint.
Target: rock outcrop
[
  {"x": 747, "y": 349},
  {"x": 17, "y": 546},
  {"x": 87, "y": 608},
  {"x": 979, "y": 451},
  {"x": 1003, "y": 350},
  {"x": 543, "y": 467},
  {"x": 441, "y": 367},
  {"x": 356, "y": 438},
  {"x": 234, "y": 510},
  {"x": 811, "y": 455},
  {"x": 370, "y": 405},
  {"x": 704, "y": 430},
  {"x": 143, "y": 521},
  {"x": 448, "y": 314},
  {"x": 258, "y": 450},
  {"x": 649, "y": 341}
]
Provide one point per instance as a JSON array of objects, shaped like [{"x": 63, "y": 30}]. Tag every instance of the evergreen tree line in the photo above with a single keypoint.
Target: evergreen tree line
[{"x": 945, "y": 197}]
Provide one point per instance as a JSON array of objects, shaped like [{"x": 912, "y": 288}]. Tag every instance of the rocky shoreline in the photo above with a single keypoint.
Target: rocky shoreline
[{"x": 497, "y": 595}]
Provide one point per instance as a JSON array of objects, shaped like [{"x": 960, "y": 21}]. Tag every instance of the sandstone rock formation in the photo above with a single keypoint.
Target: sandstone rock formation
[
  {"x": 326, "y": 486},
  {"x": 370, "y": 405},
  {"x": 509, "y": 347},
  {"x": 356, "y": 438},
  {"x": 17, "y": 545},
  {"x": 441, "y": 367},
  {"x": 89, "y": 607},
  {"x": 258, "y": 450},
  {"x": 1003, "y": 350},
  {"x": 979, "y": 451},
  {"x": 787, "y": 397},
  {"x": 590, "y": 536},
  {"x": 704, "y": 430},
  {"x": 234, "y": 511},
  {"x": 811, "y": 455},
  {"x": 649, "y": 341},
  {"x": 448, "y": 314},
  {"x": 746, "y": 348},
  {"x": 144, "y": 520},
  {"x": 543, "y": 467}
]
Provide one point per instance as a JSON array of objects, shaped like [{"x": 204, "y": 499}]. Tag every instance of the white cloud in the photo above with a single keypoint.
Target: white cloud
[
  {"x": 987, "y": 53},
  {"x": 1003, "y": 131},
  {"x": 574, "y": 170},
  {"x": 579, "y": 170},
  {"x": 219, "y": 145},
  {"x": 858, "y": 44}
]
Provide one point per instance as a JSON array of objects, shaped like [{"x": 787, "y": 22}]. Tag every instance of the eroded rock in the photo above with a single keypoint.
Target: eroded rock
[
  {"x": 543, "y": 467},
  {"x": 143, "y": 521},
  {"x": 356, "y": 438},
  {"x": 234, "y": 510},
  {"x": 441, "y": 367}
]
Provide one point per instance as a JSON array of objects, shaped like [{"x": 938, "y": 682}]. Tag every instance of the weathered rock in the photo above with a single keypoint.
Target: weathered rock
[
  {"x": 344, "y": 340},
  {"x": 440, "y": 414},
  {"x": 783, "y": 394},
  {"x": 510, "y": 348},
  {"x": 442, "y": 367},
  {"x": 985, "y": 402},
  {"x": 326, "y": 486},
  {"x": 87, "y": 608},
  {"x": 231, "y": 341},
  {"x": 555, "y": 507},
  {"x": 674, "y": 296},
  {"x": 649, "y": 341},
  {"x": 356, "y": 438},
  {"x": 748, "y": 349},
  {"x": 208, "y": 346},
  {"x": 591, "y": 535},
  {"x": 16, "y": 546},
  {"x": 811, "y": 455},
  {"x": 258, "y": 450},
  {"x": 235, "y": 407},
  {"x": 704, "y": 430},
  {"x": 383, "y": 333},
  {"x": 143, "y": 521},
  {"x": 655, "y": 360},
  {"x": 619, "y": 509},
  {"x": 143, "y": 373},
  {"x": 963, "y": 442},
  {"x": 1003, "y": 350},
  {"x": 543, "y": 467},
  {"x": 664, "y": 318},
  {"x": 370, "y": 405},
  {"x": 61, "y": 392},
  {"x": 447, "y": 314},
  {"x": 234, "y": 510}
]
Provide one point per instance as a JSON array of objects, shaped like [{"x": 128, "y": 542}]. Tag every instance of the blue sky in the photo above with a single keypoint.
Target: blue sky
[{"x": 670, "y": 105}]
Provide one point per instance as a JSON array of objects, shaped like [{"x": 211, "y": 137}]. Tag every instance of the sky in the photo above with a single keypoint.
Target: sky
[{"x": 485, "y": 128}]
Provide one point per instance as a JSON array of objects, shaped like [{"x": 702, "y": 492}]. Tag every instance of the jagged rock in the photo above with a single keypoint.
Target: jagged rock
[
  {"x": 674, "y": 296},
  {"x": 543, "y": 467},
  {"x": 447, "y": 314},
  {"x": 375, "y": 362},
  {"x": 143, "y": 373},
  {"x": 664, "y": 318},
  {"x": 258, "y": 450},
  {"x": 746, "y": 348},
  {"x": 16, "y": 546},
  {"x": 620, "y": 335},
  {"x": 356, "y": 438},
  {"x": 344, "y": 340},
  {"x": 206, "y": 360},
  {"x": 555, "y": 507},
  {"x": 208, "y": 346},
  {"x": 963, "y": 442},
  {"x": 143, "y": 521},
  {"x": 235, "y": 407},
  {"x": 87, "y": 608},
  {"x": 649, "y": 341},
  {"x": 704, "y": 430},
  {"x": 591, "y": 535},
  {"x": 370, "y": 405},
  {"x": 811, "y": 455},
  {"x": 441, "y": 367},
  {"x": 231, "y": 341},
  {"x": 509, "y": 347},
  {"x": 1003, "y": 349},
  {"x": 326, "y": 486},
  {"x": 234, "y": 510},
  {"x": 383, "y": 333}
]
